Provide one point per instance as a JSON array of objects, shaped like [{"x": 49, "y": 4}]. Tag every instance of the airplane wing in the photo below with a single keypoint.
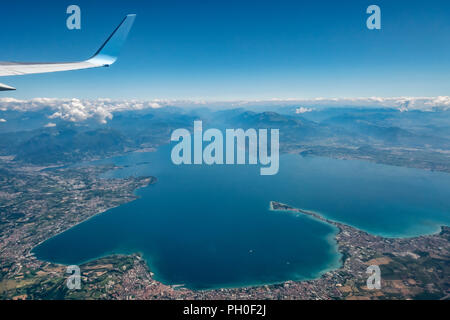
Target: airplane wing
[{"x": 104, "y": 57}]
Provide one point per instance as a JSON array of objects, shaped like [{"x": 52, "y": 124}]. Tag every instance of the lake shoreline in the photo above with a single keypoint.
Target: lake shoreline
[{"x": 345, "y": 282}]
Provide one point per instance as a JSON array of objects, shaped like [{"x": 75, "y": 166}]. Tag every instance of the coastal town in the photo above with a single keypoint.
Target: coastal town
[
  {"x": 411, "y": 268},
  {"x": 38, "y": 203}
]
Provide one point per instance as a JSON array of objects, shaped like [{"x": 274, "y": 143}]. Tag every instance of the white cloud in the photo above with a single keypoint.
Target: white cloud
[
  {"x": 2, "y": 120},
  {"x": 76, "y": 110},
  {"x": 50, "y": 125},
  {"x": 303, "y": 110}
]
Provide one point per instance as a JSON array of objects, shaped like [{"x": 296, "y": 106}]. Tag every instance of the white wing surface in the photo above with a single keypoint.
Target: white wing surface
[{"x": 104, "y": 57}]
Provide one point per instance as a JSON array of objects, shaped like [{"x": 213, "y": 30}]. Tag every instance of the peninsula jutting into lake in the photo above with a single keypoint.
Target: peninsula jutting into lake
[
  {"x": 141, "y": 227},
  {"x": 421, "y": 260}
]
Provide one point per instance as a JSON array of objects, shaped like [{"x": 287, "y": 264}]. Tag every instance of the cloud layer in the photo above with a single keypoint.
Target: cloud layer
[
  {"x": 102, "y": 110},
  {"x": 401, "y": 103},
  {"x": 76, "y": 110}
]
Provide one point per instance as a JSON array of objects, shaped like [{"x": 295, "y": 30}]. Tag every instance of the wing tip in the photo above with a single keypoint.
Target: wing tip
[
  {"x": 109, "y": 51},
  {"x": 4, "y": 87}
]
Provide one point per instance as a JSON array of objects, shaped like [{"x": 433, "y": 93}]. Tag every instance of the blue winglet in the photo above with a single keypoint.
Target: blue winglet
[{"x": 109, "y": 51}]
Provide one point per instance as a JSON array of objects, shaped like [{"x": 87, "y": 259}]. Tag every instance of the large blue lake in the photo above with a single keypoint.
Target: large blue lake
[{"x": 210, "y": 226}]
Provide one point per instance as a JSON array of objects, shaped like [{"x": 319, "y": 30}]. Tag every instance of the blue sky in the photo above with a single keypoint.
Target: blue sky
[{"x": 227, "y": 50}]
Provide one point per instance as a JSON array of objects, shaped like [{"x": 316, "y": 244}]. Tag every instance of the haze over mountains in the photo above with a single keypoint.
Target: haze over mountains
[{"x": 44, "y": 135}]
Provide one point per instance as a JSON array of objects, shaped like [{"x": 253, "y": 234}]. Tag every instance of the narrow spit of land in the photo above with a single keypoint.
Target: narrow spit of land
[{"x": 411, "y": 267}]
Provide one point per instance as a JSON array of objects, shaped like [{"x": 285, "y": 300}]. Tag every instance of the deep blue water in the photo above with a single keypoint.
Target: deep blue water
[{"x": 209, "y": 226}]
